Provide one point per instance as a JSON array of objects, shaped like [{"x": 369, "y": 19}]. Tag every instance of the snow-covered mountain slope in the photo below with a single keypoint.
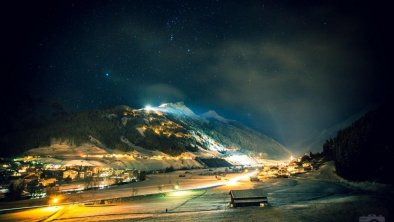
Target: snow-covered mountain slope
[{"x": 170, "y": 128}]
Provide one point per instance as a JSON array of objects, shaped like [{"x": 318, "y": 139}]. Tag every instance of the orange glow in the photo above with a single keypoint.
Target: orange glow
[{"x": 55, "y": 200}]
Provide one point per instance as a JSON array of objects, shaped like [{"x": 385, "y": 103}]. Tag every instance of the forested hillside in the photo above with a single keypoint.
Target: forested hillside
[{"x": 364, "y": 150}]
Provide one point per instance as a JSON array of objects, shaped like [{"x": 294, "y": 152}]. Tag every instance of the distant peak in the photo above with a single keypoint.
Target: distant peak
[
  {"x": 211, "y": 114},
  {"x": 177, "y": 104},
  {"x": 178, "y": 107}
]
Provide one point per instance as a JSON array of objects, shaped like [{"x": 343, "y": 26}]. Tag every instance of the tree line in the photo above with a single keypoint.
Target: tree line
[{"x": 364, "y": 150}]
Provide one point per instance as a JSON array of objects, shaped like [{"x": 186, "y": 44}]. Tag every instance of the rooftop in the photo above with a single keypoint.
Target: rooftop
[{"x": 250, "y": 193}]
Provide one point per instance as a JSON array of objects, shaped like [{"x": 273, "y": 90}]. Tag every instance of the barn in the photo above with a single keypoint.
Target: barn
[{"x": 250, "y": 197}]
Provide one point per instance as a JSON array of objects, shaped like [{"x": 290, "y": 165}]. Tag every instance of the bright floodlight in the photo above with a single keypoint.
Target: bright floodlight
[
  {"x": 231, "y": 182},
  {"x": 55, "y": 200},
  {"x": 148, "y": 108}
]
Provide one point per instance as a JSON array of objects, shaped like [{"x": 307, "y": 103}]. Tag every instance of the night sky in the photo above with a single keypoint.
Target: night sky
[{"x": 286, "y": 69}]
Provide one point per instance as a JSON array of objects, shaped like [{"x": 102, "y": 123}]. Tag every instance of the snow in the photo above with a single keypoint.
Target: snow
[
  {"x": 177, "y": 108},
  {"x": 67, "y": 150},
  {"x": 305, "y": 198},
  {"x": 80, "y": 163},
  {"x": 141, "y": 130},
  {"x": 289, "y": 200},
  {"x": 213, "y": 115},
  {"x": 327, "y": 172}
]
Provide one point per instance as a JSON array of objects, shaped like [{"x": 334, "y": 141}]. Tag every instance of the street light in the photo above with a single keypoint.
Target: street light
[{"x": 55, "y": 200}]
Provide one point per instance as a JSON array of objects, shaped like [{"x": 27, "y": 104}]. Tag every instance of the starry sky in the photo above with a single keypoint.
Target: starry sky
[{"x": 286, "y": 68}]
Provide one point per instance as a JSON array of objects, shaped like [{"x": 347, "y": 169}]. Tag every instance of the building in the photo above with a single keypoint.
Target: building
[
  {"x": 250, "y": 197},
  {"x": 298, "y": 170},
  {"x": 291, "y": 167},
  {"x": 306, "y": 164},
  {"x": 283, "y": 173},
  {"x": 72, "y": 174}
]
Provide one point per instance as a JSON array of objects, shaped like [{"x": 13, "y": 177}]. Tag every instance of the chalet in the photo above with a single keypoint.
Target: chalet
[{"x": 250, "y": 197}]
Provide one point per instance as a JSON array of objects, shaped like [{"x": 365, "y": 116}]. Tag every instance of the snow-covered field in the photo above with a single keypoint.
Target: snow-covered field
[
  {"x": 316, "y": 196},
  {"x": 91, "y": 155}
]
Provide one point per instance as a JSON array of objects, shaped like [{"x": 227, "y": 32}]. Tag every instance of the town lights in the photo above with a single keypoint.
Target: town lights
[
  {"x": 55, "y": 200},
  {"x": 180, "y": 193},
  {"x": 231, "y": 183}
]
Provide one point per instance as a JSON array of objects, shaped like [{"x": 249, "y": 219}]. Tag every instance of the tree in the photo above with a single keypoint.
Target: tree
[
  {"x": 32, "y": 187},
  {"x": 51, "y": 190},
  {"x": 305, "y": 158},
  {"x": 91, "y": 182},
  {"x": 68, "y": 179},
  {"x": 16, "y": 188}
]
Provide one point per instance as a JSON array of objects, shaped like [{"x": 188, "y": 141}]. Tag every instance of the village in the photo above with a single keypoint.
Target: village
[
  {"x": 26, "y": 177},
  {"x": 29, "y": 177}
]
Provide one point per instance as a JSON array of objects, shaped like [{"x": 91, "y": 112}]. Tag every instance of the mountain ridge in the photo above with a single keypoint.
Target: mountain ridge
[{"x": 171, "y": 128}]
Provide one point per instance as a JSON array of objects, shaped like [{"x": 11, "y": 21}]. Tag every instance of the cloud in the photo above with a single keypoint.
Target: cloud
[{"x": 299, "y": 86}]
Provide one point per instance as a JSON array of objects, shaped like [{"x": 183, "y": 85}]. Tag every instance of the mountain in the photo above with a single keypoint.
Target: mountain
[
  {"x": 316, "y": 141},
  {"x": 171, "y": 129},
  {"x": 364, "y": 150},
  {"x": 212, "y": 115}
]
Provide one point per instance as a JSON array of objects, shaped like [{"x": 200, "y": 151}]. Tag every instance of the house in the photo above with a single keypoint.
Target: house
[
  {"x": 254, "y": 179},
  {"x": 283, "y": 173},
  {"x": 72, "y": 174},
  {"x": 298, "y": 170},
  {"x": 306, "y": 164},
  {"x": 250, "y": 197},
  {"x": 47, "y": 182},
  {"x": 273, "y": 171},
  {"x": 291, "y": 167}
]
